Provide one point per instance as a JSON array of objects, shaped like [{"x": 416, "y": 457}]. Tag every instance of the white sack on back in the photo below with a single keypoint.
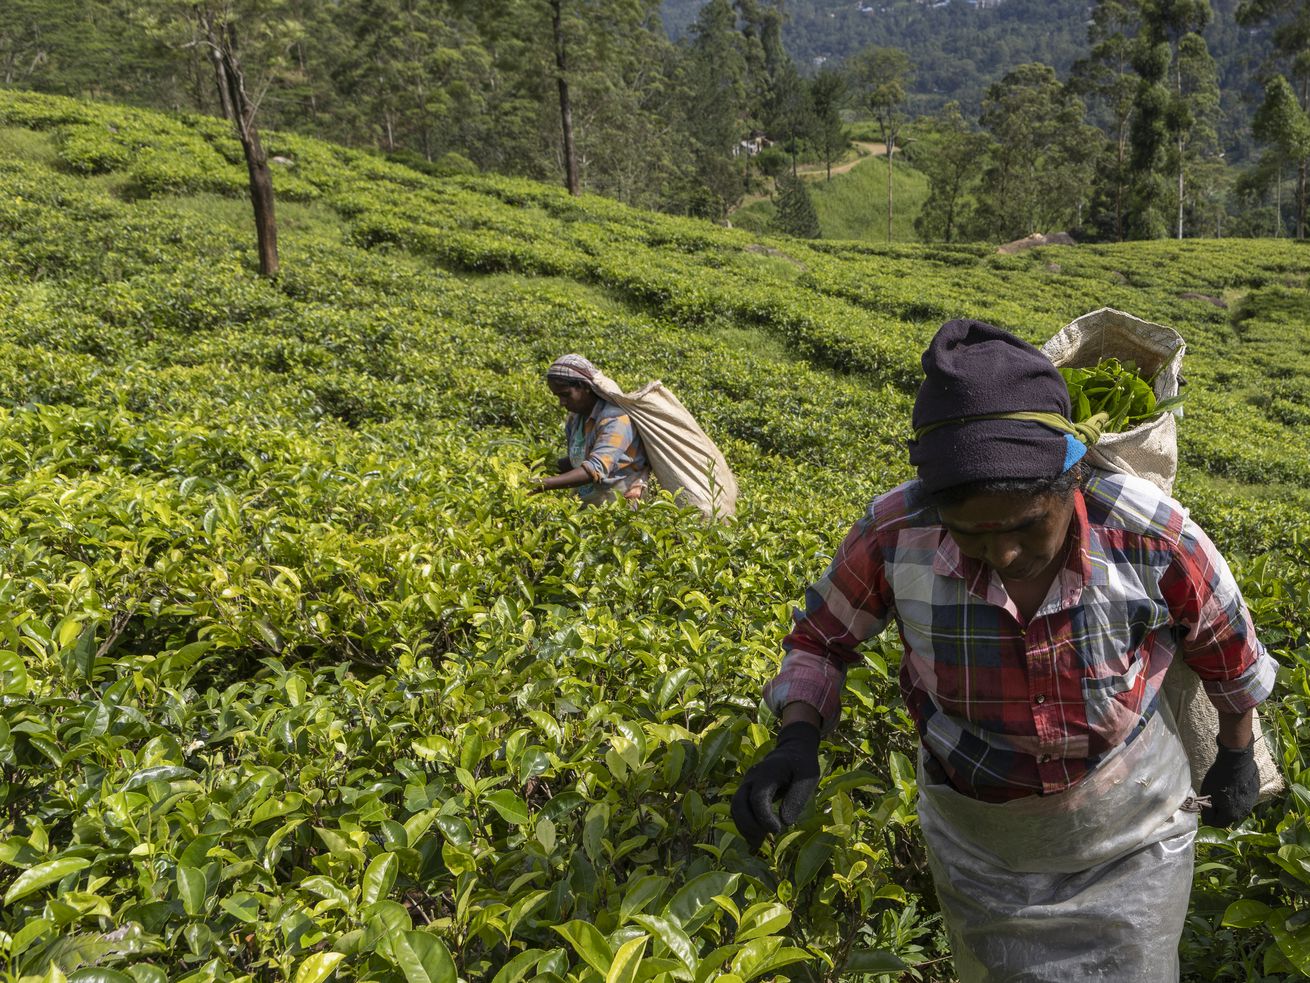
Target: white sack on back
[
  {"x": 1150, "y": 451},
  {"x": 685, "y": 461}
]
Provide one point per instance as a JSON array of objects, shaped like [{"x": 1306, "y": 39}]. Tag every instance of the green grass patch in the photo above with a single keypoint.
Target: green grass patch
[
  {"x": 29, "y": 145},
  {"x": 853, "y": 205}
]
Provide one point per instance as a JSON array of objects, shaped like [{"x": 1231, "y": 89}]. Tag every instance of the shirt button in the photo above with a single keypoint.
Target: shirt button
[{"x": 1039, "y": 698}]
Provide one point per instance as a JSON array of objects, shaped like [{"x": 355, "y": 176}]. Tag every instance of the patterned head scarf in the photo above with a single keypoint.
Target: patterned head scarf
[{"x": 571, "y": 370}]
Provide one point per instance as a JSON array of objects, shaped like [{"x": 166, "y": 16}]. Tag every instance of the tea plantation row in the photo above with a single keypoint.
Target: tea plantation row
[{"x": 296, "y": 680}]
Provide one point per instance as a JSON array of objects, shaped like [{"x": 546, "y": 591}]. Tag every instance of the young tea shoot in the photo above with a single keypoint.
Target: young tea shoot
[{"x": 1118, "y": 390}]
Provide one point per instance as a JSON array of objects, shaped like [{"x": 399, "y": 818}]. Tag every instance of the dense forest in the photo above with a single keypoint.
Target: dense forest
[
  {"x": 960, "y": 47},
  {"x": 1115, "y": 119}
]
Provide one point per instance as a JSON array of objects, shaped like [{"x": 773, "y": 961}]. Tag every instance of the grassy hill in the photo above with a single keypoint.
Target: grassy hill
[
  {"x": 295, "y": 678},
  {"x": 853, "y": 205}
]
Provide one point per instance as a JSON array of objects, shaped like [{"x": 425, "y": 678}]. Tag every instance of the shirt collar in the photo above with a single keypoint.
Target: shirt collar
[{"x": 576, "y": 419}]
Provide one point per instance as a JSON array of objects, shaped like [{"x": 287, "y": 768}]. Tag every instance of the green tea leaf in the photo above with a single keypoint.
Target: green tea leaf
[
  {"x": 1246, "y": 913},
  {"x": 43, "y": 874},
  {"x": 192, "y": 888},
  {"x": 627, "y": 961},
  {"x": 511, "y": 808},
  {"x": 588, "y": 943},
  {"x": 518, "y": 967},
  {"x": 318, "y": 967},
  {"x": 422, "y": 957},
  {"x": 765, "y": 918},
  {"x": 379, "y": 878}
]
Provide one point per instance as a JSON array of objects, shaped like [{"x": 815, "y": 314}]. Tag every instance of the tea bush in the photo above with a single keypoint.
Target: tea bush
[{"x": 296, "y": 680}]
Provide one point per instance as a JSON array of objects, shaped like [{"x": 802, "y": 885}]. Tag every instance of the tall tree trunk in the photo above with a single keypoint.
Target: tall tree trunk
[
  {"x": 1180, "y": 187},
  {"x": 565, "y": 105},
  {"x": 1302, "y": 165},
  {"x": 196, "y": 71},
  {"x": 224, "y": 98},
  {"x": 891, "y": 150},
  {"x": 223, "y": 39},
  {"x": 1278, "y": 203},
  {"x": 311, "y": 100},
  {"x": 1301, "y": 181},
  {"x": 1119, "y": 183}
]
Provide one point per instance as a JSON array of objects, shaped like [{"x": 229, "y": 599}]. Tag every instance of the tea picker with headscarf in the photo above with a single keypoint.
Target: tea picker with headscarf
[
  {"x": 1039, "y": 603},
  {"x": 605, "y": 454}
]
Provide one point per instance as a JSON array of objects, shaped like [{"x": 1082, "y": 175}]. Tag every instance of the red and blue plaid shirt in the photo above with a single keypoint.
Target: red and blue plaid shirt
[{"x": 1009, "y": 707}]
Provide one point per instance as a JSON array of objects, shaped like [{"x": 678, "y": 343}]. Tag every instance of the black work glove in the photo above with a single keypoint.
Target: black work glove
[
  {"x": 1233, "y": 784},
  {"x": 790, "y": 772}
]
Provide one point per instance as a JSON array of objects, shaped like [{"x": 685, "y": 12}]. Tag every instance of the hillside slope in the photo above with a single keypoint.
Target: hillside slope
[
  {"x": 853, "y": 205},
  {"x": 298, "y": 680}
]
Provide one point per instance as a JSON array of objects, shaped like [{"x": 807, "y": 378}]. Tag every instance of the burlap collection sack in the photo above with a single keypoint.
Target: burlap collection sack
[
  {"x": 1150, "y": 451},
  {"x": 685, "y": 461}
]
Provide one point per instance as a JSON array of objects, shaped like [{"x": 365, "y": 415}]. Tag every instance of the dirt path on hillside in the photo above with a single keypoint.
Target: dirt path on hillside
[{"x": 865, "y": 150}]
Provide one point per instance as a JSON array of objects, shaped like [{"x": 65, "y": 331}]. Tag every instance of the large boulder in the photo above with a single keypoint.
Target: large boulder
[{"x": 1036, "y": 239}]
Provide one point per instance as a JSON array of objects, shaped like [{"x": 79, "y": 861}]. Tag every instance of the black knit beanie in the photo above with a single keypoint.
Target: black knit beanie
[{"x": 972, "y": 368}]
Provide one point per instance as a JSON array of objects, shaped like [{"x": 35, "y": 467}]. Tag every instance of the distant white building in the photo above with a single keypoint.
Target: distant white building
[{"x": 752, "y": 145}]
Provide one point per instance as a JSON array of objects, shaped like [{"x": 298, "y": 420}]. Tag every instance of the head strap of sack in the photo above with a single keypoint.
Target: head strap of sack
[{"x": 1088, "y": 431}]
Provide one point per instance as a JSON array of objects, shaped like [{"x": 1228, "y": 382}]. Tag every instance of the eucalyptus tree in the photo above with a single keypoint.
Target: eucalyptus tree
[
  {"x": 80, "y": 48},
  {"x": 948, "y": 150},
  {"x": 1193, "y": 115},
  {"x": 713, "y": 75},
  {"x": 1038, "y": 170},
  {"x": 1283, "y": 120},
  {"x": 604, "y": 65},
  {"x": 828, "y": 92},
  {"x": 1283, "y": 126},
  {"x": 883, "y": 75},
  {"x": 759, "y": 26},
  {"x": 250, "y": 44},
  {"x": 792, "y": 112},
  {"x": 414, "y": 74},
  {"x": 1174, "y": 110},
  {"x": 1107, "y": 80}
]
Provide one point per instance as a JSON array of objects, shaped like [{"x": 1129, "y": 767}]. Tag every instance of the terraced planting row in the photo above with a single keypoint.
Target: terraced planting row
[{"x": 296, "y": 680}]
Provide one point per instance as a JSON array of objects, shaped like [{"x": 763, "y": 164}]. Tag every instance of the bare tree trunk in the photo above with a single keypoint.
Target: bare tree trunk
[
  {"x": 1278, "y": 203},
  {"x": 1180, "y": 187},
  {"x": 196, "y": 72},
  {"x": 223, "y": 40},
  {"x": 1119, "y": 184},
  {"x": 1301, "y": 181},
  {"x": 565, "y": 105},
  {"x": 1301, "y": 167},
  {"x": 311, "y": 99},
  {"x": 224, "y": 98},
  {"x": 891, "y": 150}
]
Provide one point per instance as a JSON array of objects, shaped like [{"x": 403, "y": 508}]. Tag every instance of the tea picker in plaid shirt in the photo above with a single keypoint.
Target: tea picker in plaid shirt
[
  {"x": 605, "y": 453},
  {"x": 1039, "y": 602}
]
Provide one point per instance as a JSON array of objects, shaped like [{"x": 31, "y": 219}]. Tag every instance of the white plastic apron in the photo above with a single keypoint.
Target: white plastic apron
[{"x": 1088, "y": 884}]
